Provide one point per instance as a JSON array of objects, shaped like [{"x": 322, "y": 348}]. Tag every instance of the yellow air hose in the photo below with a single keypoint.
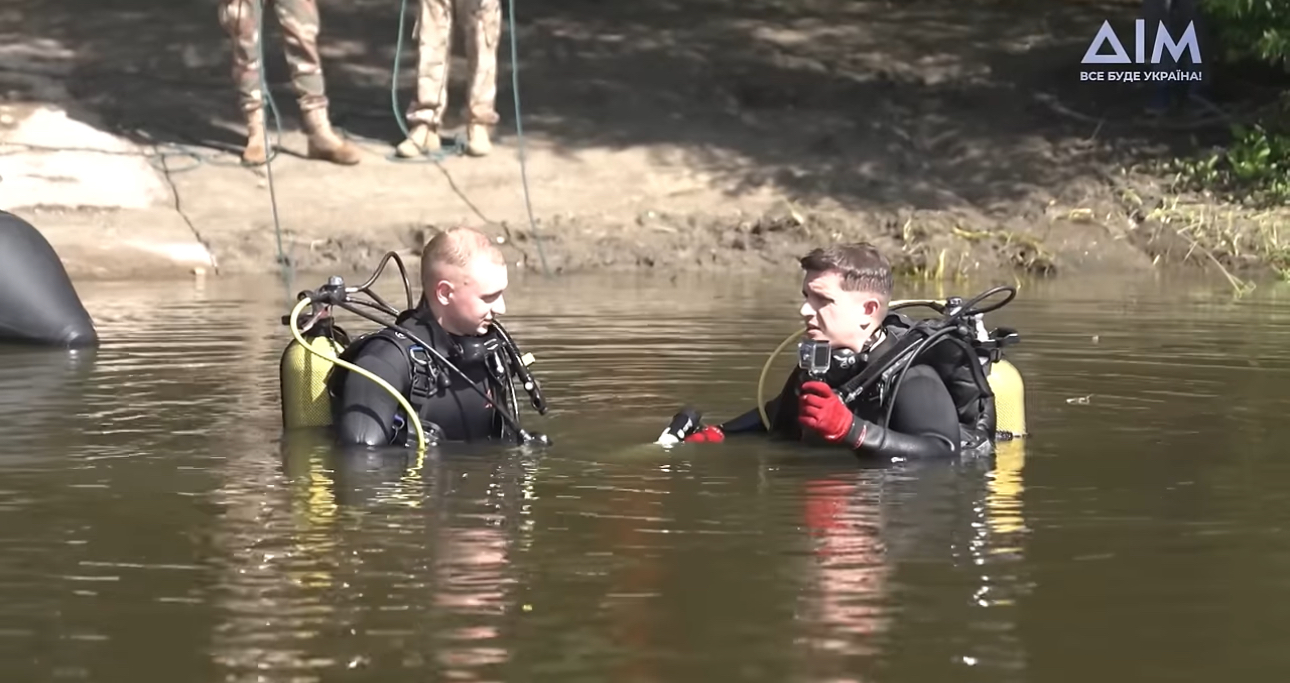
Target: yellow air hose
[
  {"x": 407, "y": 407},
  {"x": 765, "y": 369}
]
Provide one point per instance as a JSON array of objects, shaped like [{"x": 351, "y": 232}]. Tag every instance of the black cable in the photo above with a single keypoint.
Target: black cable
[
  {"x": 366, "y": 287},
  {"x": 349, "y": 306},
  {"x": 966, "y": 308},
  {"x": 852, "y": 389},
  {"x": 521, "y": 370},
  {"x": 924, "y": 346}
]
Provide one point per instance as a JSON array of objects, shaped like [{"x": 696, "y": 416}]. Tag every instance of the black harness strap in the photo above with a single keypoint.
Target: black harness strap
[
  {"x": 953, "y": 359},
  {"x": 426, "y": 377}
]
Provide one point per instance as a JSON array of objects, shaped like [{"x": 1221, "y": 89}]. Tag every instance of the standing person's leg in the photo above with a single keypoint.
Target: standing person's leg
[
  {"x": 482, "y": 22},
  {"x": 238, "y": 19},
  {"x": 434, "y": 44},
  {"x": 300, "y": 25}
]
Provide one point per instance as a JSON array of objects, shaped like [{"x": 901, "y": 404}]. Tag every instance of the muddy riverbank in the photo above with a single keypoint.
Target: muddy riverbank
[{"x": 957, "y": 136}]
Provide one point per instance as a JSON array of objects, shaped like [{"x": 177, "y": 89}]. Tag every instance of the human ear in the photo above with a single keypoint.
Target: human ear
[
  {"x": 443, "y": 292},
  {"x": 870, "y": 308}
]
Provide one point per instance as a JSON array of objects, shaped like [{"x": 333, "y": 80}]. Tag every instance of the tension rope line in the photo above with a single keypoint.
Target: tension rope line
[{"x": 458, "y": 145}]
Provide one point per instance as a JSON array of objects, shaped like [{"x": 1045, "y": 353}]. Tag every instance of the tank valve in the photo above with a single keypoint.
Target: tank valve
[{"x": 334, "y": 290}]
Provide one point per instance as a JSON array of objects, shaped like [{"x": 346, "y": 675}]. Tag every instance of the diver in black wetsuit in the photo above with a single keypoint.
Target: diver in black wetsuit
[
  {"x": 847, "y": 289},
  {"x": 463, "y": 276}
]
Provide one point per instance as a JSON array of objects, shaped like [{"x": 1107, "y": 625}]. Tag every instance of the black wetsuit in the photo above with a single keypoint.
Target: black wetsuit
[
  {"x": 924, "y": 420},
  {"x": 366, "y": 413}
]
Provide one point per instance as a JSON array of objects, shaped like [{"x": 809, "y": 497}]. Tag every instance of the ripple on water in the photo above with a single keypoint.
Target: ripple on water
[{"x": 147, "y": 499}]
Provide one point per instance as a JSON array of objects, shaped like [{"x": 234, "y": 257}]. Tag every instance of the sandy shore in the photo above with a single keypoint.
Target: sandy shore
[{"x": 791, "y": 128}]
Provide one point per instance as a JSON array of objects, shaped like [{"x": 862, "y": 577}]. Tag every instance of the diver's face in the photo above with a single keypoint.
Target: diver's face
[
  {"x": 471, "y": 297},
  {"x": 844, "y": 319}
]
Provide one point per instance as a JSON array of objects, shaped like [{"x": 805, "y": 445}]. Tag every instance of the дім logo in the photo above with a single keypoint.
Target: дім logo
[{"x": 1164, "y": 41}]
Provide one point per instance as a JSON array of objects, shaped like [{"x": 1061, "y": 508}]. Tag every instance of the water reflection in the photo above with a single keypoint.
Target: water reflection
[
  {"x": 154, "y": 518},
  {"x": 998, "y": 553},
  {"x": 916, "y": 570},
  {"x": 1004, "y": 512},
  {"x": 376, "y": 560},
  {"x": 843, "y": 518},
  {"x": 39, "y": 391}
]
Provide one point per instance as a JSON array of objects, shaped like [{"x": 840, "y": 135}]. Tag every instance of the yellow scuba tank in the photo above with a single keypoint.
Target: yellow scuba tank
[
  {"x": 303, "y": 379},
  {"x": 1009, "y": 397}
]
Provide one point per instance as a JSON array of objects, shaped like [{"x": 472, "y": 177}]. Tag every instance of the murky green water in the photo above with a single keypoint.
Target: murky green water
[{"x": 154, "y": 527}]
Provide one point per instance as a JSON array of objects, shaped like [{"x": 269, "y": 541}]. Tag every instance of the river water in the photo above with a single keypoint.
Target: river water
[{"x": 154, "y": 525}]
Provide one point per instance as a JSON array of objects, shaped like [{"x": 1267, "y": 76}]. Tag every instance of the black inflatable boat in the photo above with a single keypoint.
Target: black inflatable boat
[{"x": 38, "y": 304}]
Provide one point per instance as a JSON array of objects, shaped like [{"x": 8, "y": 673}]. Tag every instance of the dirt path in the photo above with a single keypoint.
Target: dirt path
[{"x": 729, "y": 133}]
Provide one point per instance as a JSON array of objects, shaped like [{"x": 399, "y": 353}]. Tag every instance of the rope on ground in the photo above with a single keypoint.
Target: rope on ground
[
  {"x": 156, "y": 158},
  {"x": 1218, "y": 116},
  {"x": 179, "y": 209}
]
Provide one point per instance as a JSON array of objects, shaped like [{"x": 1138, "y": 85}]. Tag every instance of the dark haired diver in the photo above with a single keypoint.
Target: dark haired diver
[{"x": 874, "y": 381}]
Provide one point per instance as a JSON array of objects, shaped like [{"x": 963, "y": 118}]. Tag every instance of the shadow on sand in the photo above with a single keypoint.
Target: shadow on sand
[{"x": 924, "y": 104}]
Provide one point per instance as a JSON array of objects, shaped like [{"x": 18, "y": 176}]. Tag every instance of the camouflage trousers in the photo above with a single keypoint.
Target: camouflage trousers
[
  {"x": 481, "y": 21},
  {"x": 299, "y": 22}
]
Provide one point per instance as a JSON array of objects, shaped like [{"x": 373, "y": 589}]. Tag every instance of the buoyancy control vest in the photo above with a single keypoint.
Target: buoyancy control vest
[
  {"x": 445, "y": 404},
  {"x": 953, "y": 355},
  {"x": 870, "y": 382}
]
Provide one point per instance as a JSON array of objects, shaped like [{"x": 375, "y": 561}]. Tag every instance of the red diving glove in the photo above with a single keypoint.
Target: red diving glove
[
  {"x": 686, "y": 427},
  {"x": 823, "y": 412},
  {"x": 708, "y": 434}
]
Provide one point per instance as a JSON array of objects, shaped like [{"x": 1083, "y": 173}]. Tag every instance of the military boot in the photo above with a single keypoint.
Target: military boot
[
  {"x": 477, "y": 142},
  {"x": 422, "y": 139},
  {"x": 324, "y": 143},
  {"x": 256, "y": 152}
]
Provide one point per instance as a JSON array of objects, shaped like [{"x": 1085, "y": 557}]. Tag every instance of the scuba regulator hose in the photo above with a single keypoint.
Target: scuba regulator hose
[
  {"x": 300, "y": 339},
  {"x": 958, "y": 311},
  {"x": 953, "y": 310},
  {"x": 765, "y": 370}
]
